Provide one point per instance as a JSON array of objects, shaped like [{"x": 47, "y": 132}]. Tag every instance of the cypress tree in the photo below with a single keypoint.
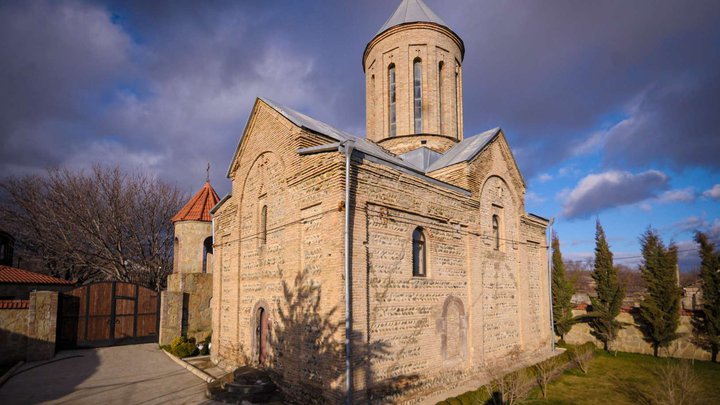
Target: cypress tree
[
  {"x": 609, "y": 292},
  {"x": 706, "y": 322},
  {"x": 562, "y": 292},
  {"x": 660, "y": 307}
]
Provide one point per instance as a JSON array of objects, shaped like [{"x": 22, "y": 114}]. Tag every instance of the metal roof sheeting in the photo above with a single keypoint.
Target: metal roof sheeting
[
  {"x": 465, "y": 150},
  {"x": 411, "y": 11}
]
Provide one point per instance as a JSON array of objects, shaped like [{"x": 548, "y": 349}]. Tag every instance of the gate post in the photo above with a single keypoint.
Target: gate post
[
  {"x": 42, "y": 325},
  {"x": 171, "y": 307}
]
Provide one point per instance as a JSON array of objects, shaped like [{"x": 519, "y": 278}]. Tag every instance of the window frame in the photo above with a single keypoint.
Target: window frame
[
  {"x": 417, "y": 95},
  {"x": 419, "y": 253},
  {"x": 392, "y": 100}
]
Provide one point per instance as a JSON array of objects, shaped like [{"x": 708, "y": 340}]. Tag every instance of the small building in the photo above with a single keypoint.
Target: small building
[{"x": 185, "y": 306}]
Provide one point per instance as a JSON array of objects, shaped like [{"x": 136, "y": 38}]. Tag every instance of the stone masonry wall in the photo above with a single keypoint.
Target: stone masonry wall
[
  {"x": 42, "y": 325},
  {"x": 190, "y": 236},
  {"x": 630, "y": 339},
  {"x": 400, "y": 46},
  {"x": 295, "y": 275},
  {"x": 13, "y": 335}
]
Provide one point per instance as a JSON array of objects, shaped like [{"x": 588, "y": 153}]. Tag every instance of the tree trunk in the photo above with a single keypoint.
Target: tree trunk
[
  {"x": 713, "y": 354},
  {"x": 655, "y": 350}
]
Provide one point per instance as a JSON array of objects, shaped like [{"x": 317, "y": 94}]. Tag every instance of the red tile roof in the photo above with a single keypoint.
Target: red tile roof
[
  {"x": 198, "y": 208},
  {"x": 19, "y": 276},
  {"x": 14, "y": 304}
]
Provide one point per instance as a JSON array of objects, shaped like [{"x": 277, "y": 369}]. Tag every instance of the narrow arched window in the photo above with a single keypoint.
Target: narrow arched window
[
  {"x": 496, "y": 231},
  {"x": 457, "y": 100},
  {"x": 440, "y": 94},
  {"x": 391, "y": 94},
  {"x": 419, "y": 253},
  {"x": 417, "y": 94},
  {"x": 176, "y": 255},
  {"x": 263, "y": 225},
  {"x": 207, "y": 254}
]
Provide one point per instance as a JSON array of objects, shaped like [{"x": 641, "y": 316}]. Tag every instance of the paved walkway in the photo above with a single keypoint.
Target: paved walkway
[{"x": 136, "y": 374}]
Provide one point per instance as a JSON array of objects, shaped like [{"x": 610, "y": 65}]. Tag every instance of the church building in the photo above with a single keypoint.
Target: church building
[{"x": 399, "y": 266}]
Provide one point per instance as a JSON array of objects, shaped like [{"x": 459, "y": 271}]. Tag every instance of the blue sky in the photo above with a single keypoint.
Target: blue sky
[{"x": 611, "y": 107}]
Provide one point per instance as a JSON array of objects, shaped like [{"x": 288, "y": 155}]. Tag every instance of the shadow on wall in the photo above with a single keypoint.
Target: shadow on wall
[
  {"x": 309, "y": 350},
  {"x": 37, "y": 381}
]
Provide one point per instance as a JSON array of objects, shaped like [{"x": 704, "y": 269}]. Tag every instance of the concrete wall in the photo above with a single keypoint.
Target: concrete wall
[{"x": 630, "y": 339}]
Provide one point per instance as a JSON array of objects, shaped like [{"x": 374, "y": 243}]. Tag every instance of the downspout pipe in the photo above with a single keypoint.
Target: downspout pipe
[
  {"x": 550, "y": 270},
  {"x": 348, "y": 147}
]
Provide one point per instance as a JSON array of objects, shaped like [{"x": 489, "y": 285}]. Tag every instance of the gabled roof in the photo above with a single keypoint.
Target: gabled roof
[
  {"x": 13, "y": 275},
  {"x": 319, "y": 127},
  {"x": 421, "y": 157},
  {"x": 412, "y": 11},
  {"x": 465, "y": 150},
  {"x": 198, "y": 208}
]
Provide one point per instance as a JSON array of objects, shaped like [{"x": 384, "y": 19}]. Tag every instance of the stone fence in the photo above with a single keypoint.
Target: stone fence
[
  {"x": 630, "y": 338},
  {"x": 28, "y": 327}
]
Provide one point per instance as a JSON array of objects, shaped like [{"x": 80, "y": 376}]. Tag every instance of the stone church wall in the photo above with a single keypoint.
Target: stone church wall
[{"x": 296, "y": 274}]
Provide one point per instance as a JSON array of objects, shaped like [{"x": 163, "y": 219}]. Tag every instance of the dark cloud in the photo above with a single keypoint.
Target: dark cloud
[
  {"x": 597, "y": 192},
  {"x": 168, "y": 85}
]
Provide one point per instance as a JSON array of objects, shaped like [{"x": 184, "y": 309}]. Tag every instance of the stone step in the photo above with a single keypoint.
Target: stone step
[{"x": 250, "y": 388}]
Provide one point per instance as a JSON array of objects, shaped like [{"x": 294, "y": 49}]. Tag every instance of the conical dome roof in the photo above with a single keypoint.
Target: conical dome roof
[
  {"x": 198, "y": 208},
  {"x": 412, "y": 11}
]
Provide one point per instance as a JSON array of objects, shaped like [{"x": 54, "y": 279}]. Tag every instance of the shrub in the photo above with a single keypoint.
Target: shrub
[
  {"x": 205, "y": 345},
  {"x": 182, "y": 347}
]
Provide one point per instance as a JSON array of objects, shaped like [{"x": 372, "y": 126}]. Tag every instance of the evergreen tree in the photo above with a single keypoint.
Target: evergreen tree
[
  {"x": 660, "y": 307},
  {"x": 609, "y": 292},
  {"x": 706, "y": 322},
  {"x": 562, "y": 292}
]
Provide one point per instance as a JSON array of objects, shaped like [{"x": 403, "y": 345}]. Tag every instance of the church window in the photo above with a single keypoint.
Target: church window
[
  {"x": 440, "y": 93},
  {"x": 496, "y": 232},
  {"x": 457, "y": 100},
  {"x": 391, "y": 93},
  {"x": 207, "y": 253},
  {"x": 176, "y": 255},
  {"x": 263, "y": 225},
  {"x": 419, "y": 253},
  {"x": 417, "y": 94}
]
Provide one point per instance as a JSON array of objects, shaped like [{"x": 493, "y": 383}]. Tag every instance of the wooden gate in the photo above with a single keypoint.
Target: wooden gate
[{"x": 106, "y": 314}]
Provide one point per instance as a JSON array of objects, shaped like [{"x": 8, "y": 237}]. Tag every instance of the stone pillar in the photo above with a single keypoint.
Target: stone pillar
[
  {"x": 171, "y": 306},
  {"x": 42, "y": 325}
]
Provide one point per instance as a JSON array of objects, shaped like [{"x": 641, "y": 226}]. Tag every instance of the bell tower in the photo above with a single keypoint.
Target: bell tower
[{"x": 413, "y": 77}]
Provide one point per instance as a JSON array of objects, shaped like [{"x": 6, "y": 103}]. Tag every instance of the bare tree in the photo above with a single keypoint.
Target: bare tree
[
  {"x": 509, "y": 388},
  {"x": 103, "y": 225}
]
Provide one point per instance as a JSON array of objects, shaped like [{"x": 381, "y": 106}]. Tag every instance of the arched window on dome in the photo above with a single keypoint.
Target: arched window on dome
[
  {"x": 417, "y": 94},
  {"x": 419, "y": 250},
  {"x": 440, "y": 94},
  {"x": 391, "y": 94}
]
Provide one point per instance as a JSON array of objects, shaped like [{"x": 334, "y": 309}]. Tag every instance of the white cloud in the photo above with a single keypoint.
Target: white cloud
[
  {"x": 534, "y": 197},
  {"x": 597, "y": 192},
  {"x": 713, "y": 192},
  {"x": 544, "y": 177},
  {"x": 678, "y": 195}
]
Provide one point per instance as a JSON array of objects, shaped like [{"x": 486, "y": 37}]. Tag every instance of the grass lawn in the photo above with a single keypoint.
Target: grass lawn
[{"x": 624, "y": 379}]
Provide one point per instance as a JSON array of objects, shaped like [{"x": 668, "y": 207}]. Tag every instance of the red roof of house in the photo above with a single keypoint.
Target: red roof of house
[
  {"x": 19, "y": 276},
  {"x": 14, "y": 304},
  {"x": 198, "y": 208}
]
